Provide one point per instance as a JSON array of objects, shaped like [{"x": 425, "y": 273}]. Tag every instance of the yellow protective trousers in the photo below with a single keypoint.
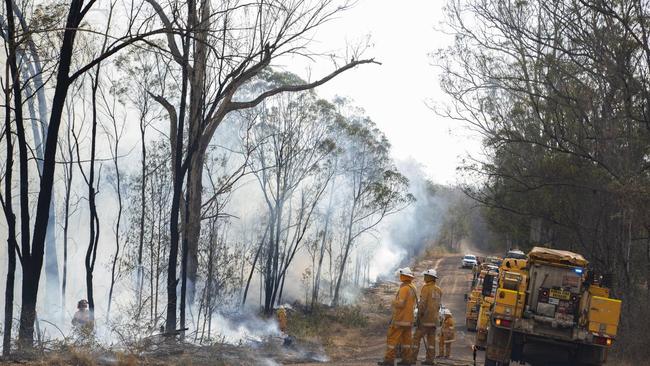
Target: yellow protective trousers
[
  {"x": 398, "y": 335},
  {"x": 444, "y": 346},
  {"x": 429, "y": 334}
]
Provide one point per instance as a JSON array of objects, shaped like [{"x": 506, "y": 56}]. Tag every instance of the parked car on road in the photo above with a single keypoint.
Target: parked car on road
[
  {"x": 516, "y": 254},
  {"x": 469, "y": 261}
]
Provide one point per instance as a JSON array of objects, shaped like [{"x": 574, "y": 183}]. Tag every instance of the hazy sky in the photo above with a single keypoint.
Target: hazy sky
[{"x": 394, "y": 94}]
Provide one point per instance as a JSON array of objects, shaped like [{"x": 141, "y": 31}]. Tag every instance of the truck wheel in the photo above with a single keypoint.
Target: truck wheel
[
  {"x": 517, "y": 353},
  {"x": 590, "y": 356}
]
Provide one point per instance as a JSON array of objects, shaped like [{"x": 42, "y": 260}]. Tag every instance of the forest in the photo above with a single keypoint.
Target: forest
[
  {"x": 161, "y": 161},
  {"x": 158, "y": 164},
  {"x": 559, "y": 91}
]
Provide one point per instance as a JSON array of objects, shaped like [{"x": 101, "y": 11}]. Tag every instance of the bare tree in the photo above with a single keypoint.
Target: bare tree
[
  {"x": 7, "y": 206},
  {"x": 377, "y": 189},
  {"x": 114, "y": 134},
  {"x": 68, "y": 148},
  {"x": 290, "y": 165},
  {"x": 231, "y": 45}
]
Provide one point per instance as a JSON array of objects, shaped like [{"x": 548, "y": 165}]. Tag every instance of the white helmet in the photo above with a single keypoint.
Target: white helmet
[
  {"x": 406, "y": 271},
  {"x": 431, "y": 272}
]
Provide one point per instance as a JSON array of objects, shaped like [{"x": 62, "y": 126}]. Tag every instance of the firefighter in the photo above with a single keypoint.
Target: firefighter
[
  {"x": 399, "y": 331},
  {"x": 82, "y": 319},
  {"x": 428, "y": 318},
  {"x": 447, "y": 334},
  {"x": 282, "y": 319}
]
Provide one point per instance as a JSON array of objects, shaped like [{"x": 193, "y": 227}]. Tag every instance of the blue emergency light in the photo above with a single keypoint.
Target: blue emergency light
[{"x": 577, "y": 270}]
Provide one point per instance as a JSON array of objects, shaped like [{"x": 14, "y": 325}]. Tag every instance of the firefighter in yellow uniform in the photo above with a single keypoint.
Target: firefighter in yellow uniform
[
  {"x": 447, "y": 335},
  {"x": 428, "y": 318},
  {"x": 282, "y": 319},
  {"x": 399, "y": 331}
]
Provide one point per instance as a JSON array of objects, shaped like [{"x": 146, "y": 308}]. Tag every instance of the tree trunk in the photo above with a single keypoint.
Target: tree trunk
[
  {"x": 196, "y": 144},
  {"x": 11, "y": 229},
  {"x": 321, "y": 256},
  {"x": 348, "y": 244},
  {"x": 184, "y": 261},
  {"x": 250, "y": 275},
  {"x": 143, "y": 187},
  {"x": 178, "y": 178},
  {"x": 68, "y": 172},
  {"x": 22, "y": 149},
  {"x": 93, "y": 240},
  {"x": 118, "y": 189},
  {"x": 33, "y": 262}
]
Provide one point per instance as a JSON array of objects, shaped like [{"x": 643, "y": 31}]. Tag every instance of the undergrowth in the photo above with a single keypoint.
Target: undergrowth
[{"x": 312, "y": 323}]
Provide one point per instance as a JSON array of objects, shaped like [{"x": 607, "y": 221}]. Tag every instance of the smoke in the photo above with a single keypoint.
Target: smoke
[
  {"x": 404, "y": 235},
  {"x": 400, "y": 237},
  {"x": 244, "y": 329}
]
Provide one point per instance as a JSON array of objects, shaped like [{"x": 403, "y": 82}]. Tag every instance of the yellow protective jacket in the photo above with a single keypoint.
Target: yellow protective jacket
[
  {"x": 404, "y": 304},
  {"x": 429, "y": 305},
  {"x": 282, "y": 319},
  {"x": 448, "y": 330}
]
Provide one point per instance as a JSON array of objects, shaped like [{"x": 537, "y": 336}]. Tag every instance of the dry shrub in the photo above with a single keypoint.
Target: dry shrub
[
  {"x": 81, "y": 357},
  {"x": 55, "y": 360},
  {"x": 351, "y": 316},
  {"x": 127, "y": 360}
]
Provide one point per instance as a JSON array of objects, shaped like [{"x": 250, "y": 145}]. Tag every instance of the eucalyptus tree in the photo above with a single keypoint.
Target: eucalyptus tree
[
  {"x": 292, "y": 167},
  {"x": 375, "y": 187},
  {"x": 559, "y": 91},
  {"x": 222, "y": 48}
]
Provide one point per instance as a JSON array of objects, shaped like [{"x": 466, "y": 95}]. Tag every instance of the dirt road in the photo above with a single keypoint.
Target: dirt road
[{"x": 364, "y": 347}]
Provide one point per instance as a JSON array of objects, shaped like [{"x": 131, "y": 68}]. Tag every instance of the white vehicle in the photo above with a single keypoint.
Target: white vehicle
[{"x": 469, "y": 261}]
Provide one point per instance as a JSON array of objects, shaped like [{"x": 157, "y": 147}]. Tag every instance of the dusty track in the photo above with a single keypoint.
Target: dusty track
[{"x": 364, "y": 347}]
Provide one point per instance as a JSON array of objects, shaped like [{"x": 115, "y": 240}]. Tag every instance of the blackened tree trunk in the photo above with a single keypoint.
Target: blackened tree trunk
[
  {"x": 184, "y": 258},
  {"x": 7, "y": 206},
  {"x": 93, "y": 240},
  {"x": 143, "y": 205},
  {"x": 177, "y": 140},
  {"x": 253, "y": 265},
  {"x": 22, "y": 148}
]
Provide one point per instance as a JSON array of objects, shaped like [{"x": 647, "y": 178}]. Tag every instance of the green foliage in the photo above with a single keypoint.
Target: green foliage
[{"x": 564, "y": 119}]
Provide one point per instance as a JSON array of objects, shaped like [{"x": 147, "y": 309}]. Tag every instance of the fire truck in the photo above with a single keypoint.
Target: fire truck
[
  {"x": 475, "y": 299},
  {"x": 550, "y": 309}
]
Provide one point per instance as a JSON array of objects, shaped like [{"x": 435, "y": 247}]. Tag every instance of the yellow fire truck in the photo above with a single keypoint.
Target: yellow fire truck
[
  {"x": 475, "y": 299},
  {"x": 549, "y": 309}
]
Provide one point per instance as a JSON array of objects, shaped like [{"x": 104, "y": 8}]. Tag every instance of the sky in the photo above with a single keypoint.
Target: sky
[{"x": 396, "y": 94}]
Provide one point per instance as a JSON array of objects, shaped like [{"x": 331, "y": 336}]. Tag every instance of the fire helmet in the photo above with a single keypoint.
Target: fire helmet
[
  {"x": 406, "y": 271},
  {"x": 431, "y": 272}
]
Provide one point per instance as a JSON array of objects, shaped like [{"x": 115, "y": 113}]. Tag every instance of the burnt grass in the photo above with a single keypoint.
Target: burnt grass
[{"x": 308, "y": 330}]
